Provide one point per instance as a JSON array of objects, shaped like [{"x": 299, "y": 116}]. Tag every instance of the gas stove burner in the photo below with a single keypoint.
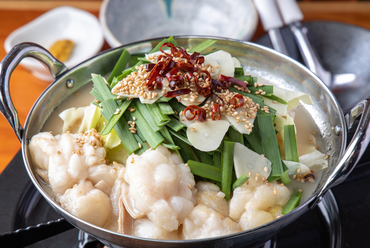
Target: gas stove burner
[{"x": 27, "y": 217}]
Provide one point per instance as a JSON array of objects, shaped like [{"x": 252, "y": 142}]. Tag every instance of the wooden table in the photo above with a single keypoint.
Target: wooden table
[{"x": 25, "y": 88}]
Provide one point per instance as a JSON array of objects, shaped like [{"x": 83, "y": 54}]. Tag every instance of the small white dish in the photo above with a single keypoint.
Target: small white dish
[
  {"x": 65, "y": 22},
  {"x": 125, "y": 21}
]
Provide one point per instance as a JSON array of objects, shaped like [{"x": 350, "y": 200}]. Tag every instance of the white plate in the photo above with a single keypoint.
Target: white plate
[{"x": 65, "y": 22}]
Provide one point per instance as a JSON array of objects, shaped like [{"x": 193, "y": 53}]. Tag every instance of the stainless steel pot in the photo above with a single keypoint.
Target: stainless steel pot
[{"x": 333, "y": 126}]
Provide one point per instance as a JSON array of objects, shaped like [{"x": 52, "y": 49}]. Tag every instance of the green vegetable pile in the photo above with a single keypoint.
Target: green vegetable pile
[{"x": 158, "y": 124}]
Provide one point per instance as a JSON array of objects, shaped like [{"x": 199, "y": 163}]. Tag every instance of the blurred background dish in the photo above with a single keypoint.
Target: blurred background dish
[
  {"x": 60, "y": 23},
  {"x": 125, "y": 21},
  {"x": 342, "y": 48}
]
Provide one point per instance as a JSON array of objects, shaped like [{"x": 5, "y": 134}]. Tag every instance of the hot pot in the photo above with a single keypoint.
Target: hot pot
[{"x": 328, "y": 117}]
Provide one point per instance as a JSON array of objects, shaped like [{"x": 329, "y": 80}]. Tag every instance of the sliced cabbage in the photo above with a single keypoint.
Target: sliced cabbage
[
  {"x": 281, "y": 121},
  {"x": 207, "y": 136},
  {"x": 111, "y": 140},
  {"x": 250, "y": 164},
  {"x": 293, "y": 166},
  {"x": 292, "y": 97},
  {"x": 117, "y": 154},
  {"x": 91, "y": 118},
  {"x": 72, "y": 118},
  {"x": 280, "y": 108},
  {"x": 316, "y": 160},
  {"x": 225, "y": 62}
]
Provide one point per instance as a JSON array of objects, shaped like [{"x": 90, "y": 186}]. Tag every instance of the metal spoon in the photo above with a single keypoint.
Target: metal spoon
[{"x": 292, "y": 16}]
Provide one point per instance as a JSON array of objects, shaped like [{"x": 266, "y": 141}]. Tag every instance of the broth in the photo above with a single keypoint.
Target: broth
[{"x": 306, "y": 131}]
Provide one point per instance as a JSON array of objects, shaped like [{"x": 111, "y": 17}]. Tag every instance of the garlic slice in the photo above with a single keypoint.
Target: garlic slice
[{"x": 207, "y": 136}]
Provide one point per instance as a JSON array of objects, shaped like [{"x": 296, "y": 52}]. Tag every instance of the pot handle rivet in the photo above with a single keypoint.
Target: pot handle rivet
[
  {"x": 338, "y": 130},
  {"x": 70, "y": 83}
]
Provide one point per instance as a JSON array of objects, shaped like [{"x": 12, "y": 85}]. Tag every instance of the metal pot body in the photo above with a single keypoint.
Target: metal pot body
[{"x": 265, "y": 63}]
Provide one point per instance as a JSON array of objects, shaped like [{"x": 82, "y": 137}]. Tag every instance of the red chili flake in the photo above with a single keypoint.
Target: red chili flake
[
  {"x": 196, "y": 112},
  {"x": 158, "y": 82},
  {"x": 149, "y": 67},
  {"x": 237, "y": 101},
  {"x": 216, "y": 112},
  {"x": 175, "y": 93},
  {"x": 218, "y": 86},
  {"x": 217, "y": 98},
  {"x": 154, "y": 73},
  {"x": 193, "y": 111},
  {"x": 201, "y": 115},
  {"x": 223, "y": 78},
  {"x": 168, "y": 66},
  {"x": 173, "y": 72},
  {"x": 205, "y": 89},
  {"x": 187, "y": 66},
  {"x": 173, "y": 49},
  {"x": 196, "y": 58},
  {"x": 176, "y": 82},
  {"x": 184, "y": 53}
]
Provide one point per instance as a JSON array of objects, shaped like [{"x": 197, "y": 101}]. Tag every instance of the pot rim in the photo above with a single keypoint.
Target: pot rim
[{"x": 301, "y": 209}]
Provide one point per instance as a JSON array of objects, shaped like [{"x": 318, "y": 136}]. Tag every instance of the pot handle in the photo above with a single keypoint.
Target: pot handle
[
  {"x": 354, "y": 150},
  {"x": 8, "y": 64}
]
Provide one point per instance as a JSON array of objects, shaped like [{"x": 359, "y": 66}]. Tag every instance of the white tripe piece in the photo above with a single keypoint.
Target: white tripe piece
[
  {"x": 77, "y": 172},
  {"x": 87, "y": 203},
  {"x": 210, "y": 195},
  {"x": 204, "y": 222},
  {"x": 145, "y": 228},
  {"x": 254, "y": 206},
  {"x": 160, "y": 187}
]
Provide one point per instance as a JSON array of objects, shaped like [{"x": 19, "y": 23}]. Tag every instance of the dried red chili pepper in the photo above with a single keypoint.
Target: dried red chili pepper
[
  {"x": 171, "y": 73},
  {"x": 237, "y": 101},
  {"x": 216, "y": 112},
  {"x": 196, "y": 112},
  {"x": 201, "y": 115},
  {"x": 232, "y": 80},
  {"x": 173, "y": 49},
  {"x": 193, "y": 111},
  {"x": 186, "y": 66},
  {"x": 149, "y": 67},
  {"x": 154, "y": 73},
  {"x": 217, "y": 98},
  {"x": 218, "y": 86},
  {"x": 168, "y": 66},
  {"x": 175, "y": 93},
  {"x": 204, "y": 89}
]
